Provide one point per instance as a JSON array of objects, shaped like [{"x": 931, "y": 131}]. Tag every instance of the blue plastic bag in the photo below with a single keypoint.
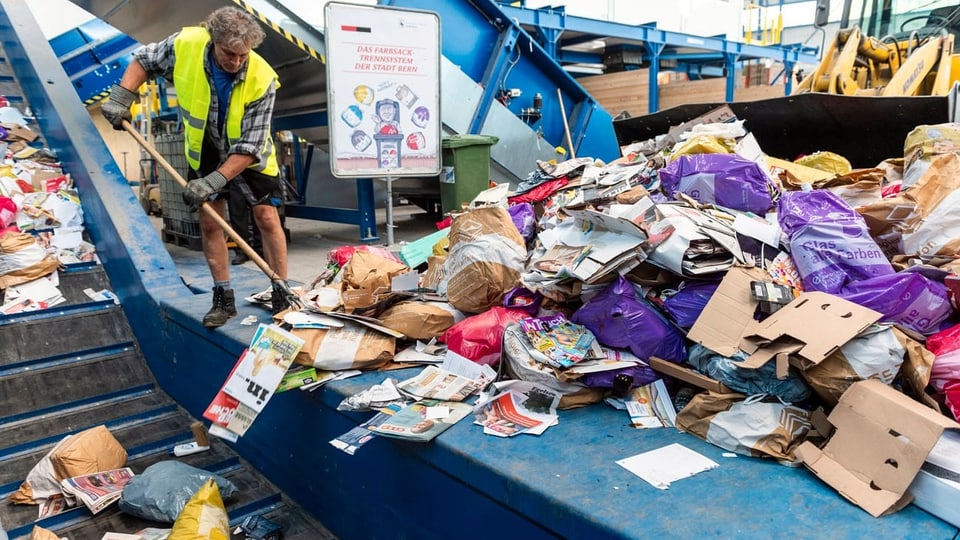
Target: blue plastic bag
[
  {"x": 619, "y": 319},
  {"x": 687, "y": 304},
  {"x": 749, "y": 381},
  {"x": 164, "y": 488}
]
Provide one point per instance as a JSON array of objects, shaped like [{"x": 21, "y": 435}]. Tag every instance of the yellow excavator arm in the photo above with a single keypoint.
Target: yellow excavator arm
[{"x": 854, "y": 64}]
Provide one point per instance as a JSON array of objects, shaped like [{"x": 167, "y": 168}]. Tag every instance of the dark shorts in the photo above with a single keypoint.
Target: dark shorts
[{"x": 256, "y": 187}]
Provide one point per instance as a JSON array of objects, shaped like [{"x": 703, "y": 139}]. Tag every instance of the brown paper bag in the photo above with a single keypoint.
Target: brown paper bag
[
  {"x": 420, "y": 320},
  {"x": 350, "y": 347},
  {"x": 90, "y": 451},
  {"x": 916, "y": 368},
  {"x": 27, "y": 259},
  {"x": 750, "y": 428},
  {"x": 39, "y": 533},
  {"x": 877, "y": 353},
  {"x": 487, "y": 255},
  {"x": 366, "y": 282},
  {"x": 920, "y": 220}
]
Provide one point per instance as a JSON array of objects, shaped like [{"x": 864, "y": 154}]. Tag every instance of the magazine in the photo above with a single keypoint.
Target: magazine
[
  {"x": 424, "y": 420},
  {"x": 97, "y": 490},
  {"x": 224, "y": 408},
  {"x": 507, "y": 415},
  {"x": 650, "y": 406},
  {"x": 560, "y": 342},
  {"x": 263, "y": 365},
  {"x": 517, "y": 411},
  {"x": 437, "y": 383}
]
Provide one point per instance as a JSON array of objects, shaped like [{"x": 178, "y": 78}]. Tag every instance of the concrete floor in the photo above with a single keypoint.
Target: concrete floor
[{"x": 310, "y": 240}]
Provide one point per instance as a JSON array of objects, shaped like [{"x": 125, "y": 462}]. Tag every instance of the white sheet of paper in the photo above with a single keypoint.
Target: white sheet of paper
[
  {"x": 437, "y": 413},
  {"x": 759, "y": 229},
  {"x": 459, "y": 365},
  {"x": 664, "y": 465},
  {"x": 409, "y": 281}
]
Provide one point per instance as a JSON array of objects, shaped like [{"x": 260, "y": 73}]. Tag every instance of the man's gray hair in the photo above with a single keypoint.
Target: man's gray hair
[{"x": 233, "y": 28}]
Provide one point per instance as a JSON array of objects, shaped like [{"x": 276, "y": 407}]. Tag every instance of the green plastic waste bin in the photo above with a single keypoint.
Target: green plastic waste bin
[{"x": 466, "y": 168}]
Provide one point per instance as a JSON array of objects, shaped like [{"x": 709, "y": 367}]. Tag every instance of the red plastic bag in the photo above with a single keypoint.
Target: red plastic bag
[
  {"x": 480, "y": 337},
  {"x": 946, "y": 367}
]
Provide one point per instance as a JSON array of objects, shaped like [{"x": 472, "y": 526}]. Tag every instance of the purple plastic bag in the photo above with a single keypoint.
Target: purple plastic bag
[
  {"x": 524, "y": 219},
  {"x": 906, "y": 298},
  {"x": 687, "y": 304},
  {"x": 725, "y": 179},
  {"x": 642, "y": 375},
  {"x": 620, "y": 320},
  {"x": 829, "y": 241}
]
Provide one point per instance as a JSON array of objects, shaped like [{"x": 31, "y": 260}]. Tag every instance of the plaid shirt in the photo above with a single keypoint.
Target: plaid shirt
[{"x": 158, "y": 60}]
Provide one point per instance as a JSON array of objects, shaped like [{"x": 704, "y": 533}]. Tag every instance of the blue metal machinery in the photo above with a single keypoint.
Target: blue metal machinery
[
  {"x": 695, "y": 55},
  {"x": 563, "y": 484},
  {"x": 502, "y": 81}
]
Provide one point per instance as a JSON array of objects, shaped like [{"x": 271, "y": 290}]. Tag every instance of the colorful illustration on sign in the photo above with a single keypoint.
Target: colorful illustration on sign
[
  {"x": 352, "y": 115},
  {"x": 361, "y": 141},
  {"x": 384, "y": 82},
  {"x": 363, "y": 94},
  {"x": 420, "y": 116}
]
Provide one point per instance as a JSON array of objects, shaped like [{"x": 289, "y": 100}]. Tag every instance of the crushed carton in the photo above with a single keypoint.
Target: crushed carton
[
  {"x": 806, "y": 331},
  {"x": 687, "y": 375},
  {"x": 728, "y": 315},
  {"x": 881, "y": 439}
]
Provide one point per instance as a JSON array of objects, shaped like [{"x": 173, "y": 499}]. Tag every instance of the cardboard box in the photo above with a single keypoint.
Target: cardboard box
[
  {"x": 936, "y": 488},
  {"x": 880, "y": 441},
  {"x": 687, "y": 375},
  {"x": 806, "y": 331},
  {"x": 728, "y": 315}
]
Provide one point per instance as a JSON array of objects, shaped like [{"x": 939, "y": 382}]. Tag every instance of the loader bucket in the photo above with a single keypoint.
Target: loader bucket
[{"x": 864, "y": 129}]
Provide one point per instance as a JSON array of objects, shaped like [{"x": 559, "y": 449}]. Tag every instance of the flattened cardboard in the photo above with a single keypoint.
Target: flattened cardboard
[
  {"x": 728, "y": 315},
  {"x": 687, "y": 375},
  {"x": 808, "y": 329},
  {"x": 881, "y": 440}
]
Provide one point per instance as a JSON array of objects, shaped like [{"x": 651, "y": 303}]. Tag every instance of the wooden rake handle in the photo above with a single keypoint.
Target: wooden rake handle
[{"x": 205, "y": 207}]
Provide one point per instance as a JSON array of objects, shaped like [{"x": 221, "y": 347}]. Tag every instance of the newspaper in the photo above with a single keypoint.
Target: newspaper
[
  {"x": 436, "y": 383},
  {"x": 521, "y": 408},
  {"x": 560, "y": 342},
  {"x": 53, "y": 505},
  {"x": 352, "y": 440},
  {"x": 256, "y": 378},
  {"x": 424, "y": 420},
  {"x": 97, "y": 490}
]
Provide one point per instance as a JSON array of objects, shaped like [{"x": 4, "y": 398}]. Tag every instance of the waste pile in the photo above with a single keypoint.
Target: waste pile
[
  {"x": 41, "y": 221},
  {"x": 764, "y": 293}
]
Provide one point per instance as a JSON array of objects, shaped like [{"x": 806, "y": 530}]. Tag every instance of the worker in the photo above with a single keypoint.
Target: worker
[{"x": 226, "y": 93}]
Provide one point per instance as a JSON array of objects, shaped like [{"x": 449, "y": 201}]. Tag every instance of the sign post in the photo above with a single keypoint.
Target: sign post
[{"x": 383, "y": 93}]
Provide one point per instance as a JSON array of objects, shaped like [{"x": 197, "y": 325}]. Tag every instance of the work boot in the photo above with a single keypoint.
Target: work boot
[{"x": 223, "y": 308}]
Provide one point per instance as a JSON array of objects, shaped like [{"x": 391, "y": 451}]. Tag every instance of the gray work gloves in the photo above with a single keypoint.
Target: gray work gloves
[
  {"x": 116, "y": 108},
  {"x": 203, "y": 189}
]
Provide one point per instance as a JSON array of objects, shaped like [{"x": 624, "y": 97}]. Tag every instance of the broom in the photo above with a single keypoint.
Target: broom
[{"x": 290, "y": 299}]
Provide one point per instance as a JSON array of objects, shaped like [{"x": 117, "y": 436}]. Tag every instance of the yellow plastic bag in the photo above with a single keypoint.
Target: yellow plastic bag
[
  {"x": 700, "y": 144},
  {"x": 827, "y": 162},
  {"x": 204, "y": 516}
]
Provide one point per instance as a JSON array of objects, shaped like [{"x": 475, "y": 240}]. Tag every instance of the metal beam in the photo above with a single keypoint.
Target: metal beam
[{"x": 549, "y": 19}]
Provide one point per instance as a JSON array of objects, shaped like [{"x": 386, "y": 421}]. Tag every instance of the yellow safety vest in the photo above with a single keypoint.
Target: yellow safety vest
[{"x": 193, "y": 95}]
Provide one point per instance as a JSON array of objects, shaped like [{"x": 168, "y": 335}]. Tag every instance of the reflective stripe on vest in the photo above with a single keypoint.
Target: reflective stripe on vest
[{"x": 193, "y": 95}]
